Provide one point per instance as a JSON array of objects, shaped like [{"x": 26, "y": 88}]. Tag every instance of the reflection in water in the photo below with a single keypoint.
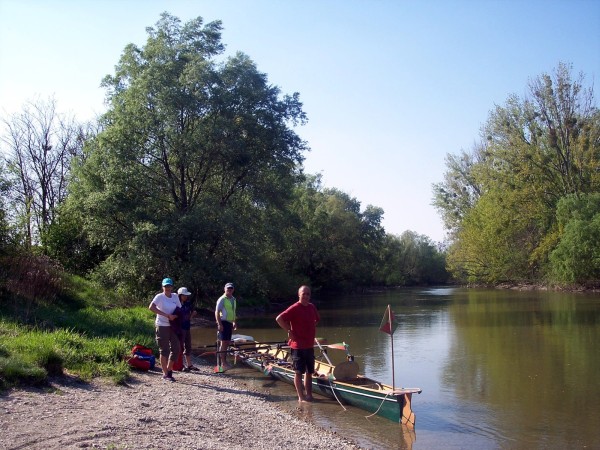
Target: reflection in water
[{"x": 498, "y": 369}]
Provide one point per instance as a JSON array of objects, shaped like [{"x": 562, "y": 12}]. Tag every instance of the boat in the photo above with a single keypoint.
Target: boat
[{"x": 341, "y": 382}]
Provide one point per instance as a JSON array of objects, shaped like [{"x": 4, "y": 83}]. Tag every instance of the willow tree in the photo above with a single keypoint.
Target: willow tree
[
  {"x": 193, "y": 149},
  {"x": 534, "y": 151}
]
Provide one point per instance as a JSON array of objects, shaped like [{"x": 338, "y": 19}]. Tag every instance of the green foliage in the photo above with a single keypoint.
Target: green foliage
[
  {"x": 330, "y": 240},
  {"x": 576, "y": 258},
  {"x": 64, "y": 240},
  {"x": 460, "y": 190},
  {"x": 412, "y": 259},
  {"x": 493, "y": 244},
  {"x": 191, "y": 152},
  {"x": 500, "y": 202}
]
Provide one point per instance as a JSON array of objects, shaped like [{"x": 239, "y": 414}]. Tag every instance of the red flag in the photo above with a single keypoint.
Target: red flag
[{"x": 388, "y": 324}]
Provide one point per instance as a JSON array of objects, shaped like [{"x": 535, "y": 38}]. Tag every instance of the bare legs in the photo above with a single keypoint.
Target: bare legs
[
  {"x": 166, "y": 364},
  {"x": 302, "y": 388},
  {"x": 223, "y": 347}
]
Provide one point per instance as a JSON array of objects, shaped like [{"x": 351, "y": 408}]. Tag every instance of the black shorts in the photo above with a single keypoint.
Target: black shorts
[
  {"x": 225, "y": 335},
  {"x": 303, "y": 360}
]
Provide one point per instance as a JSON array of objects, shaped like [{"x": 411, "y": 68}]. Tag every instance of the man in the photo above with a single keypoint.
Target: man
[
  {"x": 300, "y": 321},
  {"x": 225, "y": 317}
]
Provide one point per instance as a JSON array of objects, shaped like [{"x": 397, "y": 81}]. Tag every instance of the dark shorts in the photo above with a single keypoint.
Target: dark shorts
[
  {"x": 225, "y": 335},
  {"x": 303, "y": 360},
  {"x": 168, "y": 343}
]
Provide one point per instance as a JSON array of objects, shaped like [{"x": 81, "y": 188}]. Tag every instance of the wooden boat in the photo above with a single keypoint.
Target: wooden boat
[{"x": 341, "y": 382}]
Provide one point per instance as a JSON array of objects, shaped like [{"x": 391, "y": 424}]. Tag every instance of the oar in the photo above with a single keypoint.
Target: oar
[
  {"x": 339, "y": 346},
  {"x": 232, "y": 350},
  {"x": 242, "y": 343},
  {"x": 324, "y": 353}
]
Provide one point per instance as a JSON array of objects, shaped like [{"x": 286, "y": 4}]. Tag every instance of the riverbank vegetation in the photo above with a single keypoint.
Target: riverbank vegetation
[
  {"x": 69, "y": 326},
  {"x": 523, "y": 206}
]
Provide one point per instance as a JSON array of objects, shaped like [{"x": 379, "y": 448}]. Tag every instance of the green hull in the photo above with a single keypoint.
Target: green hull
[{"x": 361, "y": 392}]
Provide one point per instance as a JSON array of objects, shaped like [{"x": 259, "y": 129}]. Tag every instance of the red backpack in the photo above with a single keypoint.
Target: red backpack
[{"x": 142, "y": 358}]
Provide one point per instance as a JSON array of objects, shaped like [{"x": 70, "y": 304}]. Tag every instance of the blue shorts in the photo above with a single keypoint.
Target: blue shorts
[
  {"x": 303, "y": 360},
  {"x": 225, "y": 335}
]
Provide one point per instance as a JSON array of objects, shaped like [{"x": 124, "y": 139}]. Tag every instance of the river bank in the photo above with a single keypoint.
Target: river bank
[{"x": 201, "y": 410}]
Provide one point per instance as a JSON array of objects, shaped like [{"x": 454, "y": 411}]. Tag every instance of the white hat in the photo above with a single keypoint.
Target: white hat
[{"x": 183, "y": 291}]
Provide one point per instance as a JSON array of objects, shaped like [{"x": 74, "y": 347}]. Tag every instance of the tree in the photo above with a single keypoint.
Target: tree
[
  {"x": 192, "y": 150},
  {"x": 460, "y": 190},
  {"x": 576, "y": 258},
  {"x": 5, "y": 231},
  {"x": 412, "y": 259},
  {"x": 533, "y": 152},
  {"x": 39, "y": 146}
]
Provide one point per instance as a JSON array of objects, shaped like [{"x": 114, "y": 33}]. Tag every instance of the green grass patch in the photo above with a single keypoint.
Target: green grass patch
[
  {"x": 87, "y": 343},
  {"x": 30, "y": 356}
]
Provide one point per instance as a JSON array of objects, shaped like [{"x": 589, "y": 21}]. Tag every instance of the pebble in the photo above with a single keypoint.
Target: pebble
[{"x": 199, "y": 411}]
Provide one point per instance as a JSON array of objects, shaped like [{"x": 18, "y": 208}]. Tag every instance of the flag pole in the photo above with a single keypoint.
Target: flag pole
[{"x": 390, "y": 319}]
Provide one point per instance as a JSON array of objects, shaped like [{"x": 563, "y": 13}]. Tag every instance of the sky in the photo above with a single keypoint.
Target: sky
[{"x": 390, "y": 87}]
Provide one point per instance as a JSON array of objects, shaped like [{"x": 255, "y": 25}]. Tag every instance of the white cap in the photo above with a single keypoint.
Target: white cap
[{"x": 183, "y": 291}]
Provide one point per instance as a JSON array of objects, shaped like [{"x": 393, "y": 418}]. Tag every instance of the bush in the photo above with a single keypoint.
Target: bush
[
  {"x": 576, "y": 258},
  {"x": 31, "y": 279}
]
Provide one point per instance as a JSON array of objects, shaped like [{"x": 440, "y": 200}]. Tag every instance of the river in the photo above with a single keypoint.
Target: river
[{"x": 499, "y": 369}]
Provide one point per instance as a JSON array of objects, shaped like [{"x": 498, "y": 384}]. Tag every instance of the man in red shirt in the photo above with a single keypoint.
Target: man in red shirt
[{"x": 300, "y": 321}]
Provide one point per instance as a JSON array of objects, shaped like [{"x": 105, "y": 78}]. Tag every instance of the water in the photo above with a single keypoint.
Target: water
[{"x": 499, "y": 369}]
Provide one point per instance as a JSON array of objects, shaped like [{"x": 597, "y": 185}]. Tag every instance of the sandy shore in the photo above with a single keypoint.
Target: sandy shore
[{"x": 202, "y": 410}]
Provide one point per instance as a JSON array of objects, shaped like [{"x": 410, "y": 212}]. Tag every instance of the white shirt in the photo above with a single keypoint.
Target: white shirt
[{"x": 166, "y": 305}]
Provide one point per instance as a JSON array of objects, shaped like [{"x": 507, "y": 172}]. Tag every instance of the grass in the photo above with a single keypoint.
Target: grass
[{"x": 79, "y": 335}]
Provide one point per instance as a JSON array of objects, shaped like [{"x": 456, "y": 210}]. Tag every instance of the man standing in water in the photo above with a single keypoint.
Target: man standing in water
[
  {"x": 225, "y": 317},
  {"x": 300, "y": 321}
]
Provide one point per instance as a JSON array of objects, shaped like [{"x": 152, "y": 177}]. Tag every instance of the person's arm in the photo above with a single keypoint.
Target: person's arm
[
  {"x": 218, "y": 315},
  {"x": 287, "y": 326},
  {"x": 157, "y": 311},
  {"x": 235, "y": 314}
]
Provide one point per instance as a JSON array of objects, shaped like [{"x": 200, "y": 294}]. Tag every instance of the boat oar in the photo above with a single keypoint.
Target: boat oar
[
  {"x": 339, "y": 346},
  {"x": 242, "y": 343},
  {"x": 324, "y": 353},
  {"x": 233, "y": 350}
]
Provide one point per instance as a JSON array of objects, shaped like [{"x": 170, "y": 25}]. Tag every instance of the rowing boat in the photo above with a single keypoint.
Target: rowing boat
[{"x": 341, "y": 382}]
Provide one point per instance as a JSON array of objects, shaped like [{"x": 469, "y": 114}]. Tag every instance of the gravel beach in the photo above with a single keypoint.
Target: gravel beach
[{"x": 202, "y": 410}]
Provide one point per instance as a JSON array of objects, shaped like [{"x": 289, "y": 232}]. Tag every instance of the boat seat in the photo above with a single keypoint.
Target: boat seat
[{"x": 347, "y": 370}]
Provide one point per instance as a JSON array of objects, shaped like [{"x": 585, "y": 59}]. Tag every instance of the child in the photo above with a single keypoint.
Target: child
[{"x": 187, "y": 312}]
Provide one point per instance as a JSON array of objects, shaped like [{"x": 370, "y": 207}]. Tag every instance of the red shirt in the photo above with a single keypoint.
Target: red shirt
[{"x": 304, "y": 324}]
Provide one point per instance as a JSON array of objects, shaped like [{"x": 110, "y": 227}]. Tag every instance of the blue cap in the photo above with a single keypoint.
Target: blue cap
[{"x": 167, "y": 281}]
